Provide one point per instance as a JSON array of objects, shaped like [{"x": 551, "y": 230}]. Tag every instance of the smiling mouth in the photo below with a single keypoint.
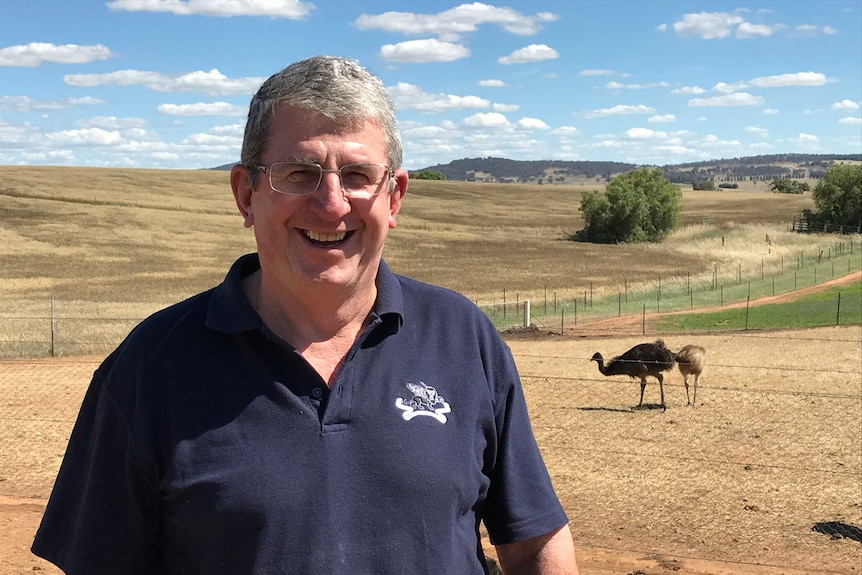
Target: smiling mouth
[{"x": 325, "y": 240}]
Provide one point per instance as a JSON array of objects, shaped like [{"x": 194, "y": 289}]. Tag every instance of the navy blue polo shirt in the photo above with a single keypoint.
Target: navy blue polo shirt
[{"x": 207, "y": 445}]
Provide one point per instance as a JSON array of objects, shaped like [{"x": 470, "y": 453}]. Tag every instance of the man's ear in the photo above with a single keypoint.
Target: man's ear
[
  {"x": 242, "y": 192},
  {"x": 400, "y": 181}
]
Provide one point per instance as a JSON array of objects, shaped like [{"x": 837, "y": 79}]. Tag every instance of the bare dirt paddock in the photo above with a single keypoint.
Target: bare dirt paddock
[{"x": 746, "y": 482}]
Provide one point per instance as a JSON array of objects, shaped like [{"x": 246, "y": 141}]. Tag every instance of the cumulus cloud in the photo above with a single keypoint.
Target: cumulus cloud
[
  {"x": 707, "y": 25},
  {"x": 688, "y": 90},
  {"x": 112, "y": 123},
  {"x": 419, "y": 51},
  {"x": 202, "y": 109},
  {"x": 618, "y": 86},
  {"x": 770, "y": 112},
  {"x": 409, "y": 97},
  {"x": 37, "y": 53},
  {"x": 27, "y": 104},
  {"x": 782, "y": 80},
  {"x": 596, "y": 73},
  {"x": 565, "y": 131},
  {"x": 212, "y": 83},
  {"x": 492, "y": 83},
  {"x": 804, "y": 139},
  {"x": 749, "y": 30},
  {"x": 661, "y": 119},
  {"x": 531, "y": 53},
  {"x": 762, "y": 132},
  {"x": 728, "y": 100},
  {"x": 851, "y": 121},
  {"x": 454, "y": 23},
  {"x": 289, "y": 9},
  {"x": 85, "y": 137},
  {"x": 486, "y": 120},
  {"x": 532, "y": 124},
  {"x": 644, "y": 134},
  {"x": 505, "y": 107},
  {"x": 845, "y": 105},
  {"x": 619, "y": 110}
]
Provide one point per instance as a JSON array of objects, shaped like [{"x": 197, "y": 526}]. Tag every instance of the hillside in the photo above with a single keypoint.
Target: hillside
[
  {"x": 753, "y": 168},
  {"x": 756, "y": 168}
]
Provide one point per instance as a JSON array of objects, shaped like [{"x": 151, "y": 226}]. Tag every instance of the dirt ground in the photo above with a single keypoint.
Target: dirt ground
[{"x": 631, "y": 553}]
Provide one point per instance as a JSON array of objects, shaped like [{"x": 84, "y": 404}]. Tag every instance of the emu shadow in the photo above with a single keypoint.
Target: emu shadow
[
  {"x": 616, "y": 410},
  {"x": 837, "y": 530}
]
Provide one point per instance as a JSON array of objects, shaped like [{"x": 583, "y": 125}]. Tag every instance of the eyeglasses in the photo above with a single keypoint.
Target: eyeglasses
[{"x": 358, "y": 181}]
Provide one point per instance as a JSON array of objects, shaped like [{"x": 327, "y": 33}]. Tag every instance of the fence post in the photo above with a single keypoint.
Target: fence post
[
  {"x": 53, "y": 327},
  {"x": 838, "y": 311},
  {"x": 526, "y": 313},
  {"x": 643, "y": 321},
  {"x": 747, "y": 301}
]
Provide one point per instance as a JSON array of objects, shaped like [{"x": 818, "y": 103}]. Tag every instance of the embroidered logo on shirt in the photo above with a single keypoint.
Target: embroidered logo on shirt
[{"x": 425, "y": 401}]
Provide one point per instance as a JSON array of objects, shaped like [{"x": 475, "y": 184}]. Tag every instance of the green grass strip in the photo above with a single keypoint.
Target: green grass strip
[{"x": 813, "y": 310}]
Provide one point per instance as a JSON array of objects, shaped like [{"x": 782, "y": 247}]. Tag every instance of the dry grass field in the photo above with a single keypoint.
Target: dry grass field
[{"x": 737, "y": 484}]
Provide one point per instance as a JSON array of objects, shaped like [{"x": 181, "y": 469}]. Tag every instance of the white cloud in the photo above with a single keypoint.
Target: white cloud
[
  {"x": 492, "y": 83},
  {"x": 532, "y": 124},
  {"x": 735, "y": 99},
  {"x": 688, "y": 90},
  {"x": 27, "y": 104},
  {"x": 851, "y": 121},
  {"x": 644, "y": 134},
  {"x": 419, "y": 51},
  {"x": 37, "y": 53},
  {"x": 531, "y": 53},
  {"x": 409, "y": 97},
  {"x": 505, "y": 107},
  {"x": 804, "y": 139},
  {"x": 85, "y": 137},
  {"x": 486, "y": 120},
  {"x": 290, "y": 9},
  {"x": 454, "y": 23},
  {"x": 845, "y": 105},
  {"x": 661, "y": 119},
  {"x": 618, "y": 86},
  {"x": 707, "y": 25},
  {"x": 112, "y": 123},
  {"x": 619, "y": 110},
  {"x": 812, "y": 30},
  {"x": 770, "y": 112},
  {"x": 202, "y": 109},
  {"x": 565, "y": 131},
  {"x": 749, "y": 30},
  {"x": 762, "y": 132},
  {"x": 212, "y": 83},
  {"x": 596, "y": 73},
  {"x": 782, "y": 80}
]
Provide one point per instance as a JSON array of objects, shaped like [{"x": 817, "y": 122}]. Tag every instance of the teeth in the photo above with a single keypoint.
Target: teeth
[{"x": 319, "y": 237}]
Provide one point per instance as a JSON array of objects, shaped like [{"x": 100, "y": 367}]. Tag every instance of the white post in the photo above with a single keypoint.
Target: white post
[{"x": 526, "y": 313}]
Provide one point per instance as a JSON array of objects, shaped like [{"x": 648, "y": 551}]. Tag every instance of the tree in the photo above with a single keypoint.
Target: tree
[
  {"x": 838, "y": 196},
  {"x": 638, "y": 206},
  {"x": 788, "y": 186},
  {"x": 427, "y": 175}
]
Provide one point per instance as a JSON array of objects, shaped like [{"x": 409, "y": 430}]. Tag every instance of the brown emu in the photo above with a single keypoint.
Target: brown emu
[
  {"x": 690, "y": 360},
  {"x": 640, "y": 361}
]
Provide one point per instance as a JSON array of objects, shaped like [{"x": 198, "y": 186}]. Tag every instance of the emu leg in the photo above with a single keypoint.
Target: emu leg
[
  {"x": 685, "y": 381},
  {"x": 643, "y": 386},
  {"x": 661, "y": 388},
  {"x": 696, "y": 380}
]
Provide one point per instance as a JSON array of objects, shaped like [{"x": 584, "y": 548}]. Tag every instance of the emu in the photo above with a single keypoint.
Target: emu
[
  {"x": 640, "y": 361},
  {"x": 690, "y": 360}
]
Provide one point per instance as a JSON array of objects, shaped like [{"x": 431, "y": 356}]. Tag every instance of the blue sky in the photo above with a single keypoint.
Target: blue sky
[{"x": 166, "y": 83}]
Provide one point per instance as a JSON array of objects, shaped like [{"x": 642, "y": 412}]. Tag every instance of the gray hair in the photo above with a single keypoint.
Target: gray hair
[{"x": 339, "y": 89}]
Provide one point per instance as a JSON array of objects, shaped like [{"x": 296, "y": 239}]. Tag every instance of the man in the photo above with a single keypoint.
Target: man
[{"x": 314, "y": 413}]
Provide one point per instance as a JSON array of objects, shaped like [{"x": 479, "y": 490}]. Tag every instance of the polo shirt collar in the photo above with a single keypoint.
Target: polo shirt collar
[{"x": 230, "y": 311}]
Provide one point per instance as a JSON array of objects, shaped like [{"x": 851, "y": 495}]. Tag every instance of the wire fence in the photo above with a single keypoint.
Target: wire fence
[{"x": 765, "y": 468}]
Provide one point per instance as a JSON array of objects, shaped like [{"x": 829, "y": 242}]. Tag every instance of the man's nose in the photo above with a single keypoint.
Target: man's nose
[{"x": 329, "y": 196}]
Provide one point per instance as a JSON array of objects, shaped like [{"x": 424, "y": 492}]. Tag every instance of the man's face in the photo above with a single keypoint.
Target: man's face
[{"x": 321, "y": 240}]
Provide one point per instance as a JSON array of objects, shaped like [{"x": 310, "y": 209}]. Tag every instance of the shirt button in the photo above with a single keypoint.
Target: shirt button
[{"x": 316, "y": 393}]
